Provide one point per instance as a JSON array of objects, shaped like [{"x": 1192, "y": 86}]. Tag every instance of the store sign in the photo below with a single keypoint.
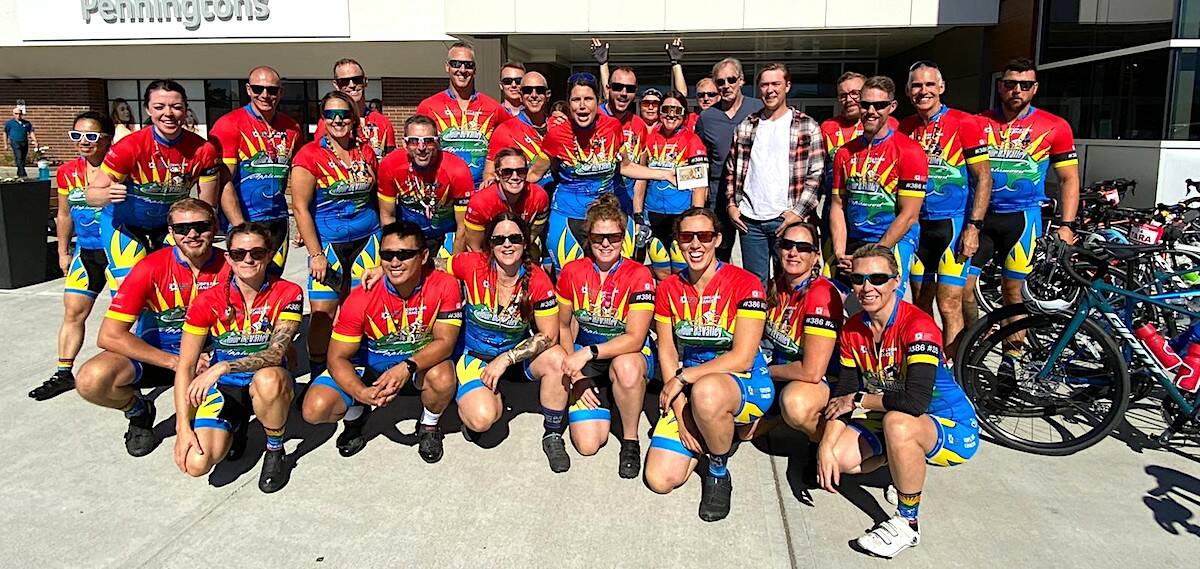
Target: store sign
[{"x": 75, "y": 20}]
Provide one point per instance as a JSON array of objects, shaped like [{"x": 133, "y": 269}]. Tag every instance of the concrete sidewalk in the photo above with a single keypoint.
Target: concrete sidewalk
[{"x": 73, "y": 498}]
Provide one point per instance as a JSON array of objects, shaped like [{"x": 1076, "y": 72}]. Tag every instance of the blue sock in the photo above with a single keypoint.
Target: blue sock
[
  {"x": 907, "y": 506},
  {"x": 718, "y": 465},
  {"x": 136, "y": 407},
  {"x": 552, "y": 420},
  {"x": 274, "y": 439}
]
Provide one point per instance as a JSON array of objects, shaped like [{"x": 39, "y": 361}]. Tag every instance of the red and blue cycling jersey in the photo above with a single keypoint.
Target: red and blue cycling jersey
[
  {"x": 586, "y": 162},
  {"x": 73, "y": 183},
  {"x": 634, "y": 130},
  {"x": 492, "y": 200},
  {"x": 520, "y": 134},
  {"x": 490, "y": 329},
  {"x": 427, "y": 196},
  {"x": 705, "y": 321},
  {"x": 814, "y": 308},
  {"x": 465, "y": 132},
  {"x": 157, "y": 173},
  {"x": 342, "y": 204},
  {"x": 374, "y": 129},
  {"x": 952, "y": 139},
  {"x": 258, "y": 153},
  {"x": 238, "y": 330},
  {"x": 683, "y": 148},
  {"x": 602, "y": 309},
  {"x": 393, "y": 326},
  {"x": 872, "y": 175},
  {"x": 837, "y": 131},
  {"x": 157, "y": 292},
  {"x": 1021, "y": 153}
]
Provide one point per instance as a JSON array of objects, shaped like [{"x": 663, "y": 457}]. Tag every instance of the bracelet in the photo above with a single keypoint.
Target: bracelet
[
  {"x": 680, "y": 377},
  {"x": 511, "y": 359},
  {"x": 317, "y": 254}
]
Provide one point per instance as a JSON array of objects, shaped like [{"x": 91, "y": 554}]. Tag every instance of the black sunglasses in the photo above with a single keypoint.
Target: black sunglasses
[
  {"x": 347, "y": 81},
  {"x": 531, "y": 89},
  {"x": 76, "y": 136},
  {"x": 460, "y": 64},
  {"x": 336, "y": 114},
  {"x": 686, "y": 237},
  {"x": 184, "y": 228},
  {"x": 599, "y": 238},
  {"x": 799, "y": 246},
  {"x": 257, "y": 253},
  {"x": 877, "y": 105},
  {"x": 514, "y": 238},
  {"x": 625, "y": 87},
  {"x": 876, "y": 279},
  {"x": 271, "y": 90},
  {"x": 1013, "y": 84},
  {"x": 510, "y": 80},
  {"x": 509, "y": 172},
  {"x": 706, "y": 94},
  {"x": 722, "y": 81},
  {"x": 389, "y": 255}
]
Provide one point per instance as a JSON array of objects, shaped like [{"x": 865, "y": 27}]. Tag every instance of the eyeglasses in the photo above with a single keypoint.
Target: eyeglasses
[
  {"x": 923, "y": 63},
  {"x": 722, "y": 81},
  {"x": 799, "y": 246},
  {"x": 184, "y": 228},
  {"x": 686, "y": 237},
  {"x": 646, "y": 103},
  {"x": 706, "y": 94},
  {"x": 257, "y": 254},
  {"x": 420, "y": 140},
  {"x": 510, "y": 172},
  {"x": 581, "y": 76},
  {"x": 601, "y": 238},
  {"x": 76, "y": 136},
  {"x": 623, "y": 87},
  {"x": 271, "y": 90},
  {"x": 876, "y": 279},
  {"x": 344, "y": 82},
  {"x": 531, "y": 89},
  {"x": 514, "y": 238},
  {"x": 671, "y": 111},
  {"x": 461, "y": 64},
  {"x": 389, "y": 255},
  {"x": 877, "y": 105},
  {"x": 510, "y": 80},
  {"x": 336, "y": 114},
  {"x": 1011, "y": 84},
  {"x": 849, "y": 95}
]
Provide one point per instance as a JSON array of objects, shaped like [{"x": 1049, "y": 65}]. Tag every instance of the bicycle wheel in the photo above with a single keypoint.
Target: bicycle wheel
[
  {"x": 1076, "y": 406},
  {"x": 987, "y": 289},
  {"x": 986, "y": 324}
]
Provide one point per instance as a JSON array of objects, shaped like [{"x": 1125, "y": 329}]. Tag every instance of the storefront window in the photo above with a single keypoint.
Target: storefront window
[
  {"x": 1117, "y": 98},
  {"x": 1189, "y": 19},
  {"x": 1184, "y": 121},
  {"x": 1075, "y": 28}
]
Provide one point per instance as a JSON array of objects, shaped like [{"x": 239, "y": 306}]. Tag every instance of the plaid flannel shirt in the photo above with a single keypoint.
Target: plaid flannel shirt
[{"x": 807, "y": 148}]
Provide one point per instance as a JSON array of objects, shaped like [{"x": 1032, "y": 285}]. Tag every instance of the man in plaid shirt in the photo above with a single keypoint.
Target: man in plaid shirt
[{"x": 773, "y": 172}]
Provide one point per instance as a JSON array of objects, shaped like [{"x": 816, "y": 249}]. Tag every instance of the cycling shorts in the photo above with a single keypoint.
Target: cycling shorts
[
  {"x": 905, "y": 251},
  {"x": 957, "y": 441},
  {"x": 126, "y": 245},
  {"x": 279, "y": 236},
  {"x": 664, "y": 252},
  {"x": 150, "y": 375},
  {"x": 758, "y": 393},
  {"x": 937, "y": 253},
  {"x": 352, "y": 259},
  {"x": 469, "y": 371},
  {"x": 225, "y": 408},
  {"x": 368, "y": 379},
  {"x": 598, "y": 372},
  {"x": 88, "y": 273},
  {"x": 568, "y": 237},
  {"x": 1008, "y": 240}
]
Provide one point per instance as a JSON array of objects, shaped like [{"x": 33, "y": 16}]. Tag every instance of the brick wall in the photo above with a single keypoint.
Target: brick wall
[
  {"x": 401, "y": 95},
  {"x": 51, "y": 105}
]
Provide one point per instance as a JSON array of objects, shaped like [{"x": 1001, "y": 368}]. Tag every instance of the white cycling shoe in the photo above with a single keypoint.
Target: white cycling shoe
[{"x": 889, "y": 538}]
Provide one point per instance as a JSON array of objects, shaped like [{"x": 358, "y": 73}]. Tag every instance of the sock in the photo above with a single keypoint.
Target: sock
[
  {"x": 718, "y": 465},
  {"x": 65, "y": 364},
  {"x": 274, "y": 438},
  {"x": 633, "y": 443},
  {"x": 552, "y": 420},
  {"x": 135, "y": 408},
  {"x": 907, "y": 505},
  {"x": 354, "y": 413},
  {"x": 429, "y": 417}
]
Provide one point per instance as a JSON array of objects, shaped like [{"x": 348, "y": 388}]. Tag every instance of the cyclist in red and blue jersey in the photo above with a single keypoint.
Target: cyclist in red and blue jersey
[
  {"x": 668, "y": 147},
  {"x": 333, "y": 187},
  {"x": 465, "y": 117},
  {"x": 250, "y": 318},
  {"x": 396, "y": 333},
  {"x": 511, "y": 192},
  {"x": 145, "y": 173},
  {"x": 879, "y": 183},
  {"x": 510, "y": 317},
  {"x": 605, "y": 304},
  {"x": 585, "y": 156},
  {"x": 374, "y": 128},
  {"x": 526, "y": 131},
  {"x": 956, "y": 199},
  {"x": 427, "y": 186},
  {"x": 620, "y": 98},
  {"x": 709, "y": 320},
  {"x": 1024, "y": 142},
  {"x": 257, "y": 143},
  {"x": 895, "y": 401},
  {"x": 84, "y": 264},
  {"x": 155, "y": 297}
]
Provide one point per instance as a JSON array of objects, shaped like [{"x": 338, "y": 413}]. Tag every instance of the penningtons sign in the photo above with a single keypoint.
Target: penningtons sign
[{"x": 189, "y": 13}]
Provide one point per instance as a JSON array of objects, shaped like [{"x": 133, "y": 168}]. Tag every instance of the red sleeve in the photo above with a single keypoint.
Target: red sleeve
[
  {"x": 846, "y": 350},
  {"x": 552, "y": 143},
  {"x": 371, "y": 159},
  {"x": 539, "y": 203},
  {"x": 64, "y": 180},
  {"x": 662, "y": 301},
  {"x": 477, "y": 212},
  {"x": 501, "y": 139},
  {"x": 541, "y": 294},
  {"x": 753, "y": 301},
  {"x": 696, "y": 152},
  {"x": 350, "y": 322},
  {"x": 566, "y": 284},
  {"x": 226, "y": 136},
  {"x": 304, "y": 159},
  {"x": 389, "y": 133},
  {"x": 922, "y": 341},
  {"x": 426, "y": 108},
  {"x": 320, "y": 129},
  {"x": 293, "y": 305},
  {"x": 462, "y": 265},
  {"x": 913, "y": 168},
  {"x": 641, "y": 290},
  {"x": 119, "y": 161},
  {"x": 207, "y": 159},
  {"x": 200, "y": 313},
  {"x": 133, "y": 294},
  {"x": 1062, "y": 146},
  {"x": 386, "y": 184},
  {"x": 462, "y": 185},
  {"x": 839, "y": 170},
  {"x": 823, "y": 311},
  {"x": 974, "y": 143}
]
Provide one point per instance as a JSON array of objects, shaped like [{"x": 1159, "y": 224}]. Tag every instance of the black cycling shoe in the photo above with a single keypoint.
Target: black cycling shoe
[
  {"x": 630, "y": 459},
  {"x": 429, "y": 443},
  {"x": 715, "y": 497},
  {"x": 808, "y": 475},
  {"x": 237, "y": 442},
  {"x": 556, "y": 452},
  {"x": 276, "y": 471},
  {"x": 59, "y": 383},
  {"x": 352, "y": 438},
  {"x": 469, "y": 435},
  {"x": 140, "y": 439}
]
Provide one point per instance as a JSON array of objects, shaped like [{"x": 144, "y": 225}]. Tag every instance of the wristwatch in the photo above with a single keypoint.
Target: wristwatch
[
  {"x": 978, "y": 223},
  {"x": 412, "y": 367},
  {"x": 595, "y": 350},
  {"x": 679, "y": 376},
  {"x": 1072, "y": 225},
  {"x": 858, "y": 397}
]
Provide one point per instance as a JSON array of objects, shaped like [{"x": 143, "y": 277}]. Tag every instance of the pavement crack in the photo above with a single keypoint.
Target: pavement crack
[
  {"x": 195, "y": 521},
  {"x": 779, "y": 497}
]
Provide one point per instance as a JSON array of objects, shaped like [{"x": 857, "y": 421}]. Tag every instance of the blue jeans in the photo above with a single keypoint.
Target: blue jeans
[
  {"x": 20, "y": 154},
  {"x": 760, "y": 246}
]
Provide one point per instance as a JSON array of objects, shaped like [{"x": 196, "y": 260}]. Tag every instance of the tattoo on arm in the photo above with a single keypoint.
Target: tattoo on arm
[
  {"x": 281, "y": 338},
  {"x": 529, "y": 348}
]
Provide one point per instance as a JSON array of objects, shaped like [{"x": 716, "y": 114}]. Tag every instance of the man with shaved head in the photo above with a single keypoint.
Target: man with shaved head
[
  {"x": 256, "y": 144},
  {"x": 526, "y": 132}
]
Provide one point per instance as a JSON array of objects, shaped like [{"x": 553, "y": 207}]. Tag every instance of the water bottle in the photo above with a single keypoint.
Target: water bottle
[
  {"x": 43, "y": 169},
  {"x": 1188, "y": 377},
  {"x": 1189, "y": 336},
  {"x": 1158, "y": 346}
]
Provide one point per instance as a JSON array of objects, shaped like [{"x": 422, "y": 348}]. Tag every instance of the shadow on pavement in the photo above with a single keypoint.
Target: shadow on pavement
[{"x": 1171, "y": 501}]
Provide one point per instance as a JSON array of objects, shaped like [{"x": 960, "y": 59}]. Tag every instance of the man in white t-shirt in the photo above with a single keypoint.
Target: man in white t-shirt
[{"x": 773, "y": 172}]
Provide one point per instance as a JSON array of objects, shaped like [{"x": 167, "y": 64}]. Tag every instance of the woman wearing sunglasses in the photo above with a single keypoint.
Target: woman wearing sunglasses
[
  {"x": 709, "y": 320},
  {"x": 510, "y": 192},
  {"x": 605, "y": 304},
  {"x": 894, "y": 402},
  {"x": 251, "y": 319},
  {"x": 333, "y": 181},
  {"x": 585, "y": 155},
  {"x": 667, "y": 147},
  {"x": 504, "y": 294},
  {"x": 83, "y": 264}
]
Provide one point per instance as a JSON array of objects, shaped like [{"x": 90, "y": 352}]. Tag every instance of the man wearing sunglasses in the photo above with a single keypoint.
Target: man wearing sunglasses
[
  {"x": 706, "y": 96},
  {"x": 20, "y": 135},
  {"x": 374, "y": 126},
  {"x": 511, "y": 75},
  {"x": 256, "y": 143},
  {"x": 156, "y": 295},
  {"x": 428, "y": 187},
  {"x": 715, "y": 128},
  {"x": 1024, "y": 142},
  {"x": 526, "y": 132},
  {"x": 620, "y": 93},
  {"x": 465, "y": 118}
]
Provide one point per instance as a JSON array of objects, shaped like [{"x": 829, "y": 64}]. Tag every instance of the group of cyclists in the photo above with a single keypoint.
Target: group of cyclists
[{"x": 499, "y": 241}]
